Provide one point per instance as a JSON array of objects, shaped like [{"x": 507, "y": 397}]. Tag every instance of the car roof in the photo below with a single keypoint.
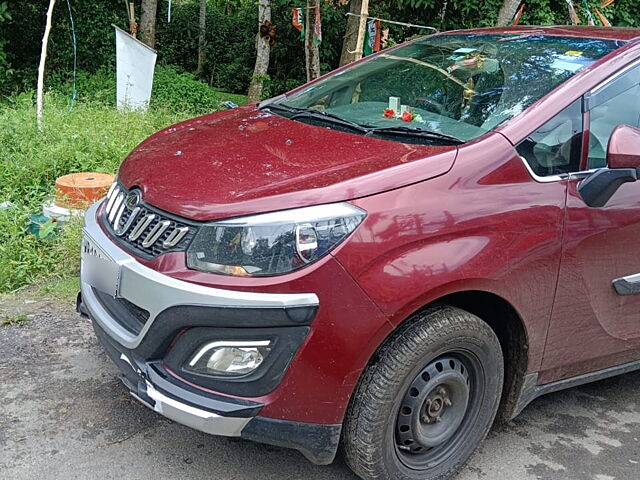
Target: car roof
[{"x": 606, "y": 33}]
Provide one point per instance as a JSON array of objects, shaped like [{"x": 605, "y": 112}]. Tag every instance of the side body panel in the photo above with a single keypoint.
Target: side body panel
[
  {"x": 485, "y": 225},
  {"x": 593, "y": 327}
]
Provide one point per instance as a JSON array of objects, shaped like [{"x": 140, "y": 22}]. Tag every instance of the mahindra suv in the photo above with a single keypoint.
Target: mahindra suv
[{"x": 387, "y": 258}]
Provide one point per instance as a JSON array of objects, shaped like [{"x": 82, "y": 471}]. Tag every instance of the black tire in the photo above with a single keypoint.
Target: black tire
[{"x": 410, "y": 397}]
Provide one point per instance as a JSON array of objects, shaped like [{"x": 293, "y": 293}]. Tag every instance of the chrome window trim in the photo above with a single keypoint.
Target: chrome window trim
[
  {"x": 581, "y": 173},
  {"x": 559, "y": 177},
  {"x": 538, "y": 178}
]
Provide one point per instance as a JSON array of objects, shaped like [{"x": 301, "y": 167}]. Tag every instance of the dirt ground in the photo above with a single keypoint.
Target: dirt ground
[{"x": 65, "y": 415}]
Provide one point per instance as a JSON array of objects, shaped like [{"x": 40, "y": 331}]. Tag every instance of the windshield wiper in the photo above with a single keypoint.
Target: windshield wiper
[
  {"x": 317, "y": 115},
  {"x": 296, "y": 112},
  {"x": 415, "y": 132}
]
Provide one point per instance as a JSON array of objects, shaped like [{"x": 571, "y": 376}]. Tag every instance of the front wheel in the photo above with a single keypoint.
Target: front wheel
[{"x": 427, "y": 399}]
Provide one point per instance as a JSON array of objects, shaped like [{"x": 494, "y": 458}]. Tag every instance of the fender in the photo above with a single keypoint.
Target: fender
[{"x": 498, "y": 231}]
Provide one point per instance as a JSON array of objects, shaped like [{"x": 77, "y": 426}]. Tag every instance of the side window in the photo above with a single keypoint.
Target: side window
[
  {"x": 624, "y": 108},
  {"x": 554, "y": 148}
]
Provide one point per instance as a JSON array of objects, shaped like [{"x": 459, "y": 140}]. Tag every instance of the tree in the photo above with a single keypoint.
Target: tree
[
  {"x": 507, "y": 11},
  {"x": 354, "y": 35},
  {"x": 147, "y": 28},
  {"x": 202, "y": 35},
  {"x": 312, "y": 52},
  {"x": 263, "y": 51}
]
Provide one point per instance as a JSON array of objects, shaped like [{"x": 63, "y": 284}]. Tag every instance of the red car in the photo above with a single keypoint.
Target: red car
[{"x": 386, "y": 258}]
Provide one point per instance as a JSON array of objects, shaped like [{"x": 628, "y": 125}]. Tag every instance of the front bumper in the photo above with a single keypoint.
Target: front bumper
[
  {"x": 142, "y": 317},
  {"x": 108, "y": 268}
]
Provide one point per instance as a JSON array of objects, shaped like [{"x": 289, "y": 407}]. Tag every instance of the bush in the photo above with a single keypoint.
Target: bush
[
  {"x": 93, "y": 137},
  {"x": 181, "y": 91},
  {"x": 173, "y": 89}
]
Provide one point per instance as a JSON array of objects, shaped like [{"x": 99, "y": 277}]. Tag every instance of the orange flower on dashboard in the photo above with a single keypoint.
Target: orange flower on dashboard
[
  {"x": 389, "y": 113},
  {"x": 407, "y": 116}
]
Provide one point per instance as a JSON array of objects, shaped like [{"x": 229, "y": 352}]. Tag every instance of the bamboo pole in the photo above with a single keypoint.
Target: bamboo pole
[{"x": 43, "y": 59}]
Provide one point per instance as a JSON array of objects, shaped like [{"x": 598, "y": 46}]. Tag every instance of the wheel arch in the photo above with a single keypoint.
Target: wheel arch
[
  {"x": 512, "y": 333},
  {"x": 507, "y": 324}
]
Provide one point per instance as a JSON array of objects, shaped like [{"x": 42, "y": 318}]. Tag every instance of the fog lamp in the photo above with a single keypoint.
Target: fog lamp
[{"x": 230, "y": 358}]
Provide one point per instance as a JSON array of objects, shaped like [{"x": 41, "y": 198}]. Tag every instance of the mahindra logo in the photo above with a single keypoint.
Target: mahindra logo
[{"x": 132, "y": 199}]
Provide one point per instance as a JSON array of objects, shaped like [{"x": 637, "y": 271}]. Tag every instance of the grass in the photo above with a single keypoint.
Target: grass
[
  {"x": 63, "y": 289},
  {"x": 15, "y": 319},
  {"x": 93, "y": 137}
]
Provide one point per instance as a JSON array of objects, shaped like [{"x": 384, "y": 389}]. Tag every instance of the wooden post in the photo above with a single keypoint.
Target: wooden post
[
  {"x": 43, "y": 59},
  {"x": 133, "y": 25},
  {"x": 312, "y": 52},
  {"x": 354, "y": 35},
  {"x": 263, "y": 51},
  {"x": 507, "y": 11},
  {"x": 147, "y": 25},
  {"x": 201, "y": 35}
]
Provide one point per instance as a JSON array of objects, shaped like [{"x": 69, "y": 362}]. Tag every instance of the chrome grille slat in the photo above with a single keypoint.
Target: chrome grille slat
[
  {"x": 111, "y": 200},
  {"x": 115, "y": 206},
  {"x": 175, "y": 237},
  {"x": 113, "y": 186},
  {"x": 157, "y": 230},
  {"x": 116, "y": 221},
  {"x": 141, "y": 227},
  {"x": 132, "y": 217}
]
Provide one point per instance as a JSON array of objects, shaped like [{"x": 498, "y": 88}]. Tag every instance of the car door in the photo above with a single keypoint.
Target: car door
[{"x": 593, "y": 327}]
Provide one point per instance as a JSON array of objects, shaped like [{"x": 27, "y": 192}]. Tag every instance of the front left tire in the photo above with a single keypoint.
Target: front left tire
[{"x": 427, "y": 399}]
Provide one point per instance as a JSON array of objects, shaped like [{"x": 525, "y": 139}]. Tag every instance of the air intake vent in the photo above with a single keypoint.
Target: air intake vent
[{"x": 141, "y": 228}]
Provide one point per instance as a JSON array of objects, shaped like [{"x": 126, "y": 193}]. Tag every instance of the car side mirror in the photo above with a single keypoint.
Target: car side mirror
[{"x": 623, "y": 160}]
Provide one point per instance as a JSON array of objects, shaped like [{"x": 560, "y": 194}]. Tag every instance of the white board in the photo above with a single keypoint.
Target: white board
[{"x": 135, "y": 63}]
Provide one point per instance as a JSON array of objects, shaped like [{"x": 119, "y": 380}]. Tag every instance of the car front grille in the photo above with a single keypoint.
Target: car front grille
[{"x": 141, "y": 228}]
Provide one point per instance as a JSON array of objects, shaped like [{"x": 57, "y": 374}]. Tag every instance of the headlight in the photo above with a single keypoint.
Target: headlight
[{"x": 272, "y": 243}]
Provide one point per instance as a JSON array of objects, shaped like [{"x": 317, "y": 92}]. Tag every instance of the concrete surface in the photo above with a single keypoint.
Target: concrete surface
[{"x": 64, "y": 415}]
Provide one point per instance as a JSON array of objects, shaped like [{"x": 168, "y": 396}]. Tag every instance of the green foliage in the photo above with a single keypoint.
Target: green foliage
[
  {"x": 23, "y": 34},
  {"x": 4, "y": 64},
  {"x": 14, "y": 319},
  {"x": 229, "y": 47},
  {"x": 180, "y": 91},
  {"x": 173, "y": 89},
  {"x": 4, "y": 12},
  {"x": 231, "y": 30},
  {"x": 94, "y": 137}
]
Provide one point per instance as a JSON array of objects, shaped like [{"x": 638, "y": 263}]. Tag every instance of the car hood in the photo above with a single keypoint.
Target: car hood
[{"x": 245, "y": 161}]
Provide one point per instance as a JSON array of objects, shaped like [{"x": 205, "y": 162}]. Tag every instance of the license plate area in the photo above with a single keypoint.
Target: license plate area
[{"x": 98, "y": 269}]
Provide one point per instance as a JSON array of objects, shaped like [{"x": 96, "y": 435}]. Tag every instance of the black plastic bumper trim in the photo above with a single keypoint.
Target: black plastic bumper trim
[
  {"x": 317, "y": 442},
  {"x": 285, "y": 343},
  {"x": 163, "y": 381},
  {"x": 172, "y": 320}
]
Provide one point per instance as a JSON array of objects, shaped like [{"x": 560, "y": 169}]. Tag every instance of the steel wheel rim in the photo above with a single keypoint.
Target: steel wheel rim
[{"x": 422, "y": 442}]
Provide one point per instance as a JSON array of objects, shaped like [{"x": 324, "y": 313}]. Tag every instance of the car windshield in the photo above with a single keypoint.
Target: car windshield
[{"x": 444, "y": 88}]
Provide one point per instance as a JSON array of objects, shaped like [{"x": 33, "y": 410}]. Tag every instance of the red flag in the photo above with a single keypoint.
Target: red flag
[
  {"x": 602, "y": 18},
  {"x": 518, "y": 15},
  {"x": 296, "y": 18}
]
